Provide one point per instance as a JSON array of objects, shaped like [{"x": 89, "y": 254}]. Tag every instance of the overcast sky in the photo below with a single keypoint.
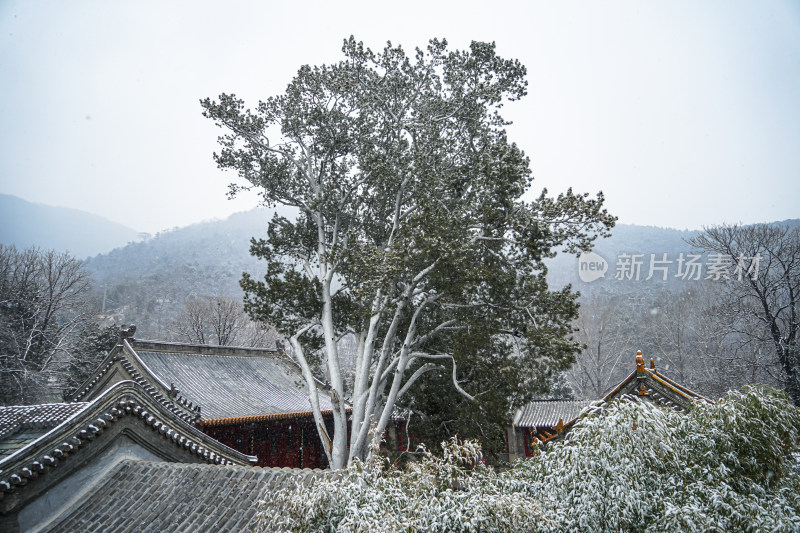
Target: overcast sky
[{"x": 685, "y": 113}]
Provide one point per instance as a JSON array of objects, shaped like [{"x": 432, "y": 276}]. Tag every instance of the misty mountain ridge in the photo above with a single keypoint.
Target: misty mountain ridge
[
  {"x": 147, "y": 281},
  {"x": 25, "y": 224}
]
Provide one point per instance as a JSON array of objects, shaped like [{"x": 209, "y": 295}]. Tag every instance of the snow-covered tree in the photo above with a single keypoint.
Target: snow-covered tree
[
  {"x": 604, "y": 328},
  {"x": 43, "y": 311},
  {"x": 222, "y": 321},
  {"x": 454, "y": 492},
  {"x": 411, "y": 233},
  {"x": 638, "y": 467},
  {"x": 759, "y": 266}
]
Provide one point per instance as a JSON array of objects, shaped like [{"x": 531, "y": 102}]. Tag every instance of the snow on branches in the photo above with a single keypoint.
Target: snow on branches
[{"x": 729, "y": 466}]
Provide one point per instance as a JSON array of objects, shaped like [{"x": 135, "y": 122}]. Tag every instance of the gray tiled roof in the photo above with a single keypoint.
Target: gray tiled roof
[
  {"x": 155, "y": 496},
  {"x": 47, "y": 415},
  {"x": 126, "y": 412},
  {"x": 228, "y": 386},
  {"x": 547, "y": 413}
]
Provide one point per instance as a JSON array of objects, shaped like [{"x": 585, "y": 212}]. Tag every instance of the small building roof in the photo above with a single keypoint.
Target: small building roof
[
  {"x": 158, "y": 496},
  {"x": 547, "y": 413},
  {"x": 36, "y": 416},
  {"x": 649, "y": 384},
  {"x": 21, "y": 424},
  {"x": 643, "y": 384}
]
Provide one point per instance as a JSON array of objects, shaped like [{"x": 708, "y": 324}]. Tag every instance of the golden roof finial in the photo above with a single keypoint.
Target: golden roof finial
[
  {"x": 639, "y": 362},
  {"x": 652, "y": 364}
]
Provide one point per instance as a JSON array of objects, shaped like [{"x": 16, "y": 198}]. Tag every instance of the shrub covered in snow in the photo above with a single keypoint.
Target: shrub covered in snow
[
  {"x": 638, "y": 467},
  {"x": 454, "y": 492},
  {"x": 635, "y": 467}
]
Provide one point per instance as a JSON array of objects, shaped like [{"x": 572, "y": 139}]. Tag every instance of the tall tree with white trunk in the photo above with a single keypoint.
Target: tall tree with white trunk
[{"x": 411, "y": 233}]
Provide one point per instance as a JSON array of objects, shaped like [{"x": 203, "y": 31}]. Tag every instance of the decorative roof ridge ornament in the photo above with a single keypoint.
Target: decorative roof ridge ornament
[
  {"x": 172, "y": 398},
  {"x": 126, "y": 332},
  {"x": 640, "y": 370},
  {"x": 175, "y": 347}
]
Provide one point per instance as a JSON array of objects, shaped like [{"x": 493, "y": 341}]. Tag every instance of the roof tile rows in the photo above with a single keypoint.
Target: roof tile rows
[
  {"x": 229, "y": 386},
  {"x": 144, "y": 421},
  {"x": 155, "y": 496},
  {"x": 15, "y": 417},
  {"x": 547, "y": 413}
]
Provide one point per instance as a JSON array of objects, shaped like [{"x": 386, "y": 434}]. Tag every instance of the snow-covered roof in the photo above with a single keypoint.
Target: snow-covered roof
[
  {"x": 209, "y": 385},
  {"x": 547, "y": 413},
  {"x": 162, "y": 496},
  {"x": 554, "y": 417}
]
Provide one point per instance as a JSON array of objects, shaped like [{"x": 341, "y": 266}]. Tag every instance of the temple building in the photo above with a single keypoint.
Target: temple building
[
  {"x": 164, "y": 436},
  {"x": 252, "y": 400},
  {"x": 542, "y": 420}
]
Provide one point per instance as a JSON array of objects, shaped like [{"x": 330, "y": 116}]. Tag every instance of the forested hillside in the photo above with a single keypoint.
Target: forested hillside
[
  {"x": 147, "y": 283},
  {"x": 676, "y": 321},
  {"x": 625, "y": 239},
  {"x": 633, "y": 239},
  {"x": 684, "y": 316}
]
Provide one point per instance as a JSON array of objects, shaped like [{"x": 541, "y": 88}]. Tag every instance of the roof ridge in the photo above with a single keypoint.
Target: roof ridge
[
  {"x": 558, "y": 400},
  {"x": 201, "y": 349},
  {"x": 38, "y": 405},
  {"x": 681, "y": 388},
  {"x": 124, "y": 399},
  {"x": 171, "y": 465}
]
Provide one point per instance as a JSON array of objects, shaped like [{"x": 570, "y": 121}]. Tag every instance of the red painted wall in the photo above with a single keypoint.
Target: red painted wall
[{"x": 289, "y": 442}]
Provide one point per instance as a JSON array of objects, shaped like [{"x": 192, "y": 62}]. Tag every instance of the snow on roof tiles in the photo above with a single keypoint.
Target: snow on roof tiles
[
  {"x": 547, "y": 413},
  {"x": 47, "y": 415},
  {"x": 157, "y": 496},
  {"x": 232, "y": 386}
]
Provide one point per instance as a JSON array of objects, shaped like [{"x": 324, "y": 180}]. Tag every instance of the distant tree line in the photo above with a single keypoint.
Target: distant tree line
[
  {"x": 56, "y": 327},
  {"x": 221, "y": 321},
  {"x": 711, "y": 335}
]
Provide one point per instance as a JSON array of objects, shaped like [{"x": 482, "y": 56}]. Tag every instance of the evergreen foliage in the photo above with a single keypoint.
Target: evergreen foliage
[{"x": 411, "y": 232}]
